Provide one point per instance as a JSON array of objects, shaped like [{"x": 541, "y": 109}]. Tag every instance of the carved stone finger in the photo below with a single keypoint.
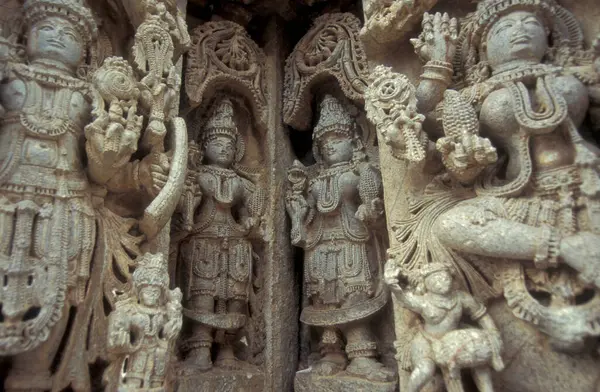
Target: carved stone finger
[
  {"x": 445, "y": 25},
  {"x": 159, "y": 177},
  {"x": 437, "y": 21},
  {"x": 453, "y": 30}
]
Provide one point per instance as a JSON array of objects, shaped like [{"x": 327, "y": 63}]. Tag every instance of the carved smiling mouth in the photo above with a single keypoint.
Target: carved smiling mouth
[
  {"x": 56, "y": 43},
  {"x": 521, "y": 39}
]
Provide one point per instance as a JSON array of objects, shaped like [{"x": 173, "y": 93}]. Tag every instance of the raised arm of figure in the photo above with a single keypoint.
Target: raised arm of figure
[{"x": 436, "y": 45}]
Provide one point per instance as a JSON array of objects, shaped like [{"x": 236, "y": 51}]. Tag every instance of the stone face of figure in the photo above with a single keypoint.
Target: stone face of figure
[
  {"x": 335, "y": 148},
  {"x": 517, "y": 36},
  {"x": 149, "y": 295},
  {"x": 57, "y": 40},
  {"x": 220, "y": 151},
  {"x": 439, "y": 282}
]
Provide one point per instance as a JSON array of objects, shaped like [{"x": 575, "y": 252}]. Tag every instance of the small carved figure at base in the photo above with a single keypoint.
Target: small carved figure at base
[
  {"x": 441, "y": 342},
  {"x": 143, "y": 328}
]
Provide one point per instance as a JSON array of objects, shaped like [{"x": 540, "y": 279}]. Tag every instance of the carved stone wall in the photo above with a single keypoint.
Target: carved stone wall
[{"x": 309, "y": 195}]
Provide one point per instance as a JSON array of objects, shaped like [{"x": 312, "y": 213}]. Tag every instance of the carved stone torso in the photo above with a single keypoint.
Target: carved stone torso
[
  {"x": 42, "y": 130},
  {"x": 336, "y": 195},
  {"x": 222, "y": 193},
  {"x": 148, "y": 323},
  {"x": 548, "y": 150}
]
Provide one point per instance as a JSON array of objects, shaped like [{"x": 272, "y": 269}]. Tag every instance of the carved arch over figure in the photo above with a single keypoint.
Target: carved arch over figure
[
  {"x": 330, "y": 49},
  {"x": 224, "y": 57}
]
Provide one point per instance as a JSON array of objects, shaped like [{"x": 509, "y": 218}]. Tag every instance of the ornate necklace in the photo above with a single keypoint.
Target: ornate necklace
[
  {"x": 329, "y": 192},
  {"x": 223, "y": 185}
]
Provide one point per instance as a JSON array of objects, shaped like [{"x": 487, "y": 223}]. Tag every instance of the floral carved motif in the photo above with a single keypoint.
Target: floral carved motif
[
  {"x": 331, "y": 49},
  {"x": 223, "y": 54}
]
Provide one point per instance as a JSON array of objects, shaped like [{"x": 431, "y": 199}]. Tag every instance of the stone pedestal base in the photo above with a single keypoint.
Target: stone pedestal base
[
  {"x": 306, "y": 381},
  {"x": 221, "y": 380}
]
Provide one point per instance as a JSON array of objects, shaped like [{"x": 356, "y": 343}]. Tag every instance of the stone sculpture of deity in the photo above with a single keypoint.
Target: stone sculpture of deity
[
  {"x": 335, "y": 216},
  {"x": 441, "y": 342},
  {"x": 515, "y": 205},
  {"x": 537, "y": 205},
  {"x": 216, "y": 257},
  {"x": 47, "y": 219},
  {"x": 143, "y": 327}
]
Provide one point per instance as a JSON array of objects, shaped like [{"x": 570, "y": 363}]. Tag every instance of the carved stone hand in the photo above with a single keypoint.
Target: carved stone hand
[
  {"x": 437, "y": 41},
  {"x": 172, "y": 328},
  {"x": 154, "y": 169},
  {"x": 370, "y": 212},
  {"x": 466, "y": 156},
  {"x": 390, "y": 276},
  {"x": 296, "y": 206}
]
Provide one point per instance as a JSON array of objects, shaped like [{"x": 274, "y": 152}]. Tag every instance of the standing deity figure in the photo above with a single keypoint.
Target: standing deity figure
[
  {"x": 216, "y": 257},
  {"x": 521, "y": 201},
  {"x": 441, "y": 341},
  {"x": 47, "y": 219},
  {"x": 143, "y": 327},
  {"x": 336, "y": 219}
]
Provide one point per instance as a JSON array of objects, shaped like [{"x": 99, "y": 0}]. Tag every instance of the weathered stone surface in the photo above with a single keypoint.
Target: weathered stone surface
[
  {"x": 493, "y": 206},
  {"x": 222, "y": 380},
  {"x": 306, "y": 381}
]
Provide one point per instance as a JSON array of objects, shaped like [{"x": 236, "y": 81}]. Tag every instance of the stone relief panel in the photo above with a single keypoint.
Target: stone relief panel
[
  {"x": 337, "y": 215},
  {"x": 503, "y": 188},
  {"x": 72, "y": 134},
  {"x": 219, "y": 231}
]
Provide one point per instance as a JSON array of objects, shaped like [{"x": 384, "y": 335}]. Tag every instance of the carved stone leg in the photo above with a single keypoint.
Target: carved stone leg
[
  {"x": 157, "y": 376},
  {"x": 332, "y": 359},
  {"x": 225, "y": 356},
  {"x": 483, "y": 379},
  {"x": 422, "y": 373},
  {"x": 474, "y": 229},
  {"x": 136, "y": 370},
  {"x": 362, "y": 352},
  {"x": 199, "y": 356},
  {"x": 31, "y": 370}
]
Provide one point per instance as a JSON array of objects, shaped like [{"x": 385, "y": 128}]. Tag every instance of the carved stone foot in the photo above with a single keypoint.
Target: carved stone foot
[
  {"x": 198, "y": 360},
  {"x": 329, "y": 365},
  {"x": 370, "y": 369}
]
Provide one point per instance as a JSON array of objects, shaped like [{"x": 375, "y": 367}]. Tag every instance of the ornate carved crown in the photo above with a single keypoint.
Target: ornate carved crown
[
  {"x": 75, "y": 11},
  {"x": 221, "y": 121},
  {"x": 333, "y": 117},
  {"x": 151, "y": 271},
  {"x": 432, "y": 268}
]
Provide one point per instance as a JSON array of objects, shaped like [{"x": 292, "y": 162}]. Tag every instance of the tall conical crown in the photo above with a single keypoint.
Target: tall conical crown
[
  {"x": 333, "y": 117},
  {"x": 221, "y": 121},
  {"x": 75, "y": 11},
  {"x": 151, "y": 270}
]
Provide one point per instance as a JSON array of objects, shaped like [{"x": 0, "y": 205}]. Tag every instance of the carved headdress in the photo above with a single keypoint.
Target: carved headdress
[
  {"x": 151, "y": 271},
  {"x": 432, "y": 268},
  {"x": 75, "y": 11},
  {"x": 221, "y": 122},
  {"x": 333, "y": 117}
]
